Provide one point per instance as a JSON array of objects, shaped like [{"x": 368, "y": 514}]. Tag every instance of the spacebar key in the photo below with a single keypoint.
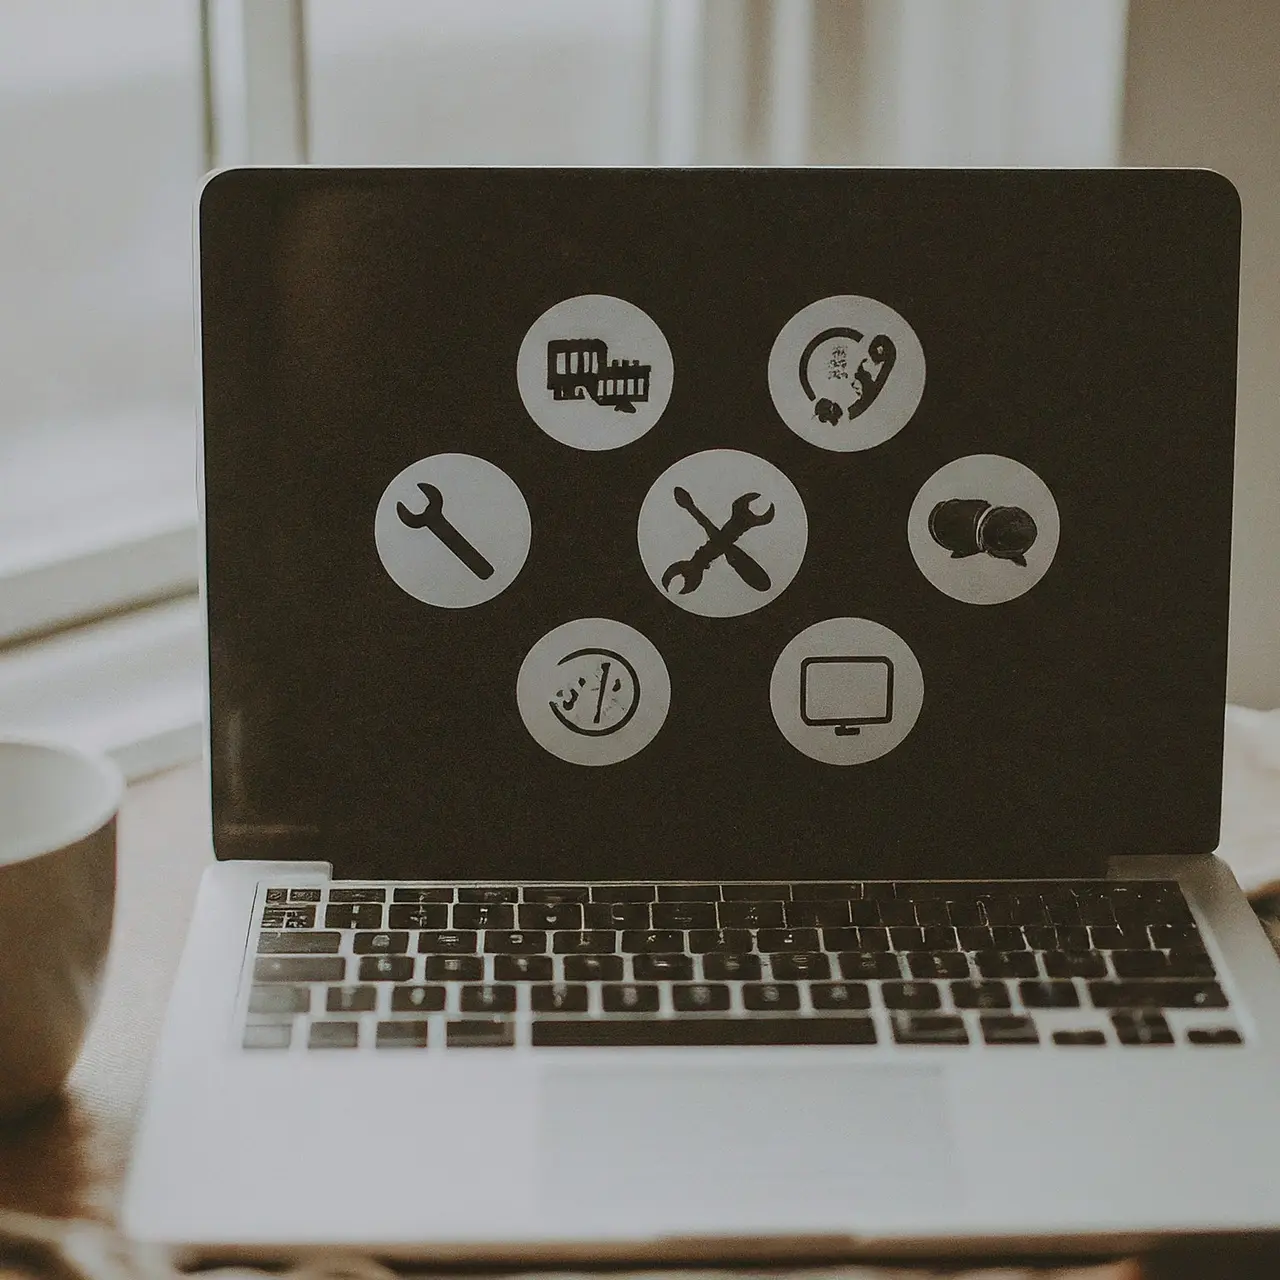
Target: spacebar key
[{"x": 558, "y": 1033}]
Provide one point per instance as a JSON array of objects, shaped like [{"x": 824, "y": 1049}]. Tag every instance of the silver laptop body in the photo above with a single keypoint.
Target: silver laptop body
[{"x": 716, "y": 689}]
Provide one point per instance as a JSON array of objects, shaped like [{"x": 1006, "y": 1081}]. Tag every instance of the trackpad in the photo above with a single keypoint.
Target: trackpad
[{"x": 744, "y": 1147}]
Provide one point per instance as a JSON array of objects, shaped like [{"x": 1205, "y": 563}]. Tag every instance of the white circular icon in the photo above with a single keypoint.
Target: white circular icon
[
  {"x": 722, "y": 533},
  {"x": 594, "y": 372},
  {"x": 846, "y": 373},
  {"x": 452, "y": 530},
  {"x": 846, "y": 690},
  {"x": 984, "y": 529},
  {"x": 593, "y": 691}
]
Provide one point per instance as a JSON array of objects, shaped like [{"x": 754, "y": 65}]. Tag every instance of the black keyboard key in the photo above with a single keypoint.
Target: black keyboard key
[
  {"x": 418, "y": 999},
  {"x": 590, "y": 942},
  {"x": 932, "y": 911},
  {"x": 483, "y": 915},
  {"x": 334, "y": 1035},
  {"x": 866, "y": 911},
  {"x": 839, "y": 996},
  {"x": 898, "y": 912},
  {"x": 871, "y": 938},
  {"x": 1094, "y": 910},
  {"x": 731, "y": 940},
  {"x": 768, "y": 996},
  {"x": 906, "y": 937},
  {"x": 267, "y": 1035},
  {"x": 1074, "y": 964},
  {"x": 351, "y": 999},
  {"x": 664, "y": 967},
  {"x": 910, "y": 995},
  {"x": 821, "y": 914},
  {"x": 1214, "y": 1035},
  {"x": 596, "y": 968},
  {"x": 401, "y": 1034},
  {"x": 477, "y": 1033},
  {"x": 554, "y": 895},
  {"x": 523, "y": 942},
  {"x": 372, "y": 944},
  {"x": 975, "y": 938},
  {"x": 300, "y": 969},
  {"x": 788, "y": 940},
  {"x": 277, "y": 895},
  {"x": 488, "y": 999},
  {"x": 520, "y": 968},
  {"x": 385, "y": 968},
  {"x": 843, "y": 891},
  {"x": 700, "y": 997},
  {"x": 616, "y": 915},
  {"x": 799, "y": 964},
  {"x": 628, "y": 997},
  {"x": 1141, "y": 1027},
  {"x": 980, "y": 995},
  {"x": 1009, "y": 1029},
  {"x": 880, "y": 890},
  {"x": 551, "y": 915},
  {"x": 553, "y": 1033},
  {"x": 304, "y": 895},
  {"x": 289, "y": 918},
  {"x": 1157, "y": 994},
  {"x": 449, "y": 943},
  {"x": 841, "y": 940},
  {"x": 451, "y": 968},
  {"x": 356, "y": 915},
  {"x": 939, "y": 937},
  {"x": 647, "y": 941},
  {"x": 1049, "y": 995},
  {"x": 280, "y": 999},
  {"x": 560, "y": 998},
  {"x": 722, "y": 967},
  {"x": 1074, "y": 1038},
  {"x": 756, "y": 892},
  {"x": 1007, "y": 937},
  {"x": 1007, "y": 964},
  {"x": 688, "y": 893},
  {"x": 751, "y": 915},
  {"x": 938, "y": 964},
  {"x": 929, "y": 1028},
  {"x": 1140, "y": 964},
  {"x": 419, "y": 915},
  {"x": 1190, "y": 964},
  {"x": 1177, "y": 936},
  {"x": 291, "y": 942},
  {"x": 434, "y": 894},
  {"x": 489, "y": 893},
  {"x": 968, "y": 915},
  {"x": 1111, "y": 937},
  {"x": 683, "y": 915},
  {"x": 358, "y": 895},
  {"x": 869, "y": 964},
  {"x": 623, "y": 893}
]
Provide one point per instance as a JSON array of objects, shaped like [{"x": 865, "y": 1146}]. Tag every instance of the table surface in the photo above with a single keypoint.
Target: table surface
[{"x": 68, "y": 1159}]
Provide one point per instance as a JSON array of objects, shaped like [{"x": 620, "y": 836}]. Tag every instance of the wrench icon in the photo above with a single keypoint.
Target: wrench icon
[
  {"x": 722, "y": 540},
  {"x": 434, "y": 518}
]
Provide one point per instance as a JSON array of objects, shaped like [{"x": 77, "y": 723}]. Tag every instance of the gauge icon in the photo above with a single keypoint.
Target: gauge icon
[{"x": 599, "y": 694}]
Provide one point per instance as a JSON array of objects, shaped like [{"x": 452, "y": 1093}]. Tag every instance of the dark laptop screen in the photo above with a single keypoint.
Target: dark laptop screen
[{"x": 707, "y": 524}]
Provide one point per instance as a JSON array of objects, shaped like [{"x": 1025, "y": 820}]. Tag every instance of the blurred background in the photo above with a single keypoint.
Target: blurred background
[{"x": 110, "y": 111}]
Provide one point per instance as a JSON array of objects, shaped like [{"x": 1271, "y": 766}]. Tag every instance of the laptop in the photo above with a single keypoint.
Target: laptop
[{"x": 716, "y": 687}]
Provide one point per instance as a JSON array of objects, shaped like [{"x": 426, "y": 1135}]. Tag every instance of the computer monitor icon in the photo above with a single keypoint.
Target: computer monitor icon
[{"x": 846, "y": 693}]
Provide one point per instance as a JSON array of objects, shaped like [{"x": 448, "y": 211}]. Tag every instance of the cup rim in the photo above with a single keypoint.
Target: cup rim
[{"x": 108, "y": 773}]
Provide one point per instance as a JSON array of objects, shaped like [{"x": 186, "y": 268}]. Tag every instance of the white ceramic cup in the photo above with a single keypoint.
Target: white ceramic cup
[{"x": 58, "y": 811}]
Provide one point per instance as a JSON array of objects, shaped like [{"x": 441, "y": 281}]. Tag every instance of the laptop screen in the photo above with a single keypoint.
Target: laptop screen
[{"x": 716, "y": 523}]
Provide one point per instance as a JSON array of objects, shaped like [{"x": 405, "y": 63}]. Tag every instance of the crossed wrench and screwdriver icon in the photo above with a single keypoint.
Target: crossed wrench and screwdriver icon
[{"x": 722, "y": 540}]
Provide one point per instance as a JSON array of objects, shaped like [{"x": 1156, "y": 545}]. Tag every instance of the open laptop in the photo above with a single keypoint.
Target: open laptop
[{"x": 716, "y": 706}]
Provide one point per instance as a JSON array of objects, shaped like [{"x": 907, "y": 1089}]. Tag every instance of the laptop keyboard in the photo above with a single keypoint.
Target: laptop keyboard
[{"x": 1060, "y": 964}]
